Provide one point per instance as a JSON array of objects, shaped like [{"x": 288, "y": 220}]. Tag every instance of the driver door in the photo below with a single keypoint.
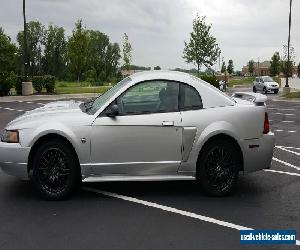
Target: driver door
[{"x": 145, "y": 137}]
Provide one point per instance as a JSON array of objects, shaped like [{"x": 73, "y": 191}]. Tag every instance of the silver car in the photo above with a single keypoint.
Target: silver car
[
  {"x": 150, "y": 126},
  {"x": 265, "y": 84}
]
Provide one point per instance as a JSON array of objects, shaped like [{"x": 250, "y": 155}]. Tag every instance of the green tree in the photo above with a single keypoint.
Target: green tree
[
  {"x": 230, "y": 67},
  {"x": 298, "y": 70},
  {"x": 7, "y": 53},
  {"x": 77, "y": 50},
  {"x": 251, "y": 67},
  {"x": 98, "y": 48},
  {"x": 157, "y": 68},
  {"x": 35, "y": 36},
  {"x": 54, "y": 53},
  {"x": 287, "y": 67},
  {"x": 202, "y": 48},
  {"x": 275, "y": 64},
  {"x": 7, "y": 62},
  {"x": 223, "y": 68},
  {"x": 127, "y": 51},
  {"x": 112, "y": 58}
]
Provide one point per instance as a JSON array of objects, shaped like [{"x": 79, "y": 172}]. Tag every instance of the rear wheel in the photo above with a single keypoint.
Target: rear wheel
[
  {"x": 55, "y": 170},
  {"x": 254, "y": 89},
  {"x": 218, "y": 167}
]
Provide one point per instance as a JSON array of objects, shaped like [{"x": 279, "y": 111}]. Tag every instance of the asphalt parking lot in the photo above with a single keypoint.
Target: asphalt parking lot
[{"x": 157, "y": 215}]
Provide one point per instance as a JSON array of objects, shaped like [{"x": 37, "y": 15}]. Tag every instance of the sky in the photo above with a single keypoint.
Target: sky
[{"x": 157, "y": 29}]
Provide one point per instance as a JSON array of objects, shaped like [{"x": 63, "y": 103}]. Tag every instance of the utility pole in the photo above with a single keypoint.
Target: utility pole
[
  {"x": 25, "y": 52},
  {"x": 288, "y": 55}
]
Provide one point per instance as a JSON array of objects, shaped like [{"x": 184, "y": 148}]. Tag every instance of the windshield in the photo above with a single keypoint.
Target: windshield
[
  {"x": 102, "y": 99},
  {"x": 267, "y": 79}
]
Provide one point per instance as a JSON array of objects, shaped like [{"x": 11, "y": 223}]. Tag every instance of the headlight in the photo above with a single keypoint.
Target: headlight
[{"x": 11, "y": 136}]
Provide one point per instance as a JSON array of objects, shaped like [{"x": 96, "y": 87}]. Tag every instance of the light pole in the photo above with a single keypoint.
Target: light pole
[
  {"x": 26, "y": 61},
  {"x": 288, "y": 54}
]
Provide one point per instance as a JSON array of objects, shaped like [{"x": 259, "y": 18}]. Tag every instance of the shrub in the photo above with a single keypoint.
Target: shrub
[
  {"x": 38, "y": 83},
  {"x": 6, "y": 83},
  {"x": 49, "y": 83},
  {"x": 18, "y": 84},
  {"x": 211, "y": 79}
]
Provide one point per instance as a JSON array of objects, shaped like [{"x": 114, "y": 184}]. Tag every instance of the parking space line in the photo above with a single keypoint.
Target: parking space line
[
  {"x": 290, "y": 147},
  {"x": 172, "y": 210},
  {"x": 278, "y": 130},
  {"x": 287, "y": 150},
  {"x": 282, "y": 109},
  {"x": 281, "y": 172},
  {"x": 287, "y": 121},
  {"x": 281, "y": 114},
  {"x": 286, "y": 163},
  {"x": 169, "y": 209}
]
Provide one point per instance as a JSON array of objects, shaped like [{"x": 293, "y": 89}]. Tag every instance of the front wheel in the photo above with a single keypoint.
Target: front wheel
[
  {"x": 55, "y": 170},
  {"x": 218, "y": 167},
  {"x": 265, "y": 90},
  {"x": 276, "y": 91},
  {"x": 254, "y": 89}
]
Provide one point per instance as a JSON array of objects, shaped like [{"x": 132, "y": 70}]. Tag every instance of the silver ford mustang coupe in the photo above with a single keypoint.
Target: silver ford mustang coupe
[{"x": 159, "y": 125}]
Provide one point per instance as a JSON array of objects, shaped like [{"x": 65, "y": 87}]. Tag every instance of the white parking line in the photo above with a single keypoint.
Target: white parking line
[
  {"x": 10, "y": 109},
  {"x": 286, "y": 163},
  {"x": 172, "y": 210},
  {"x": 287, "y": 121},
  {"x": 281, "y": 114},
  {"x": 278, "y": 130},
  {"x": 29, "y": 102},
  {"x": 289, "y": 147},
  {"x": 169, "y": 209},
  {"x": 292, "y": 131},
  {"x": 282, "y": 109},
  {"x": 281, "y": 172},
  {"x": 287, "y": 150}
]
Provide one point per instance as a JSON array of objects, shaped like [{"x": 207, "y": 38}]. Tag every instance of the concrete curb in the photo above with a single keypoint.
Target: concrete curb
[{"x": 47, "y": 97}]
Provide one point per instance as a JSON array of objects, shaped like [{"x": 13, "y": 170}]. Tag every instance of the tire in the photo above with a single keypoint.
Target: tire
[
  {"x": 56, "y": 173},
  {"x": 218, "y": 167},
  {"x": 254, "y": 89},
  {"x": 276, "y": 91},
  {"x": 265, "y": 90}
]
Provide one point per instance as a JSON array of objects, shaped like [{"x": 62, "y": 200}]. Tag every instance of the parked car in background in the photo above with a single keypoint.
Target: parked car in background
[
  {"x": 265, "y": 84},
  {"x": 159, "y": 125}
]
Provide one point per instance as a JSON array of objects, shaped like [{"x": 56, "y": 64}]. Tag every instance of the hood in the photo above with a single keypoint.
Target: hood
[{"x": 52, "y": 111}]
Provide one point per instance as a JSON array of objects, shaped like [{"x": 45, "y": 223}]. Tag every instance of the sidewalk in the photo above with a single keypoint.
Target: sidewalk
[{"x": 47, "y": 97}]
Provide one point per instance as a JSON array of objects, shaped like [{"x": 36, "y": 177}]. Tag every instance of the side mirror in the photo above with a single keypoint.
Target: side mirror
[{"x": 113, "y": 111}]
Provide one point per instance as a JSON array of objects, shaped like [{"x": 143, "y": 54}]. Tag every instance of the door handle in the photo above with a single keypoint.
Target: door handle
[{"x": 168, "y": 123}]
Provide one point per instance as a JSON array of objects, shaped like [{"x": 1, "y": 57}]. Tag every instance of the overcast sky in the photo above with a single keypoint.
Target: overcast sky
[{"x": 245, "y": 29}]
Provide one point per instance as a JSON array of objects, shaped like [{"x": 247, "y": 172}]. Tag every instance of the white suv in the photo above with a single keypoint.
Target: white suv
[{"x": 265, "y": 84}]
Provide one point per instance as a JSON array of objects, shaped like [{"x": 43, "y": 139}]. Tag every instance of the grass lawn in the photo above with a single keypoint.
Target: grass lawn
[
  {"x": 62, "y": 87},
  {"x": 241, "y": 81},
  {"x": 292, "y": 95}
]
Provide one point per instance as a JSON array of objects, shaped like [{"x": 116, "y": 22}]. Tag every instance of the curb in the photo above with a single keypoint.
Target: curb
[{"x": 47, "y": 97}]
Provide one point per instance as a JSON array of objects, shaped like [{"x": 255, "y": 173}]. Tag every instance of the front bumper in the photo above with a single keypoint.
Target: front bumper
[
  {"x": 272, "y": 89},
  {"x": 258, "y": 153},
  {"x": 13, "y": 159}
]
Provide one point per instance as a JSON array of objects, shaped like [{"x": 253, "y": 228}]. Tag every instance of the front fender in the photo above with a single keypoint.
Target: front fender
[{"x": 74, "y": 135}]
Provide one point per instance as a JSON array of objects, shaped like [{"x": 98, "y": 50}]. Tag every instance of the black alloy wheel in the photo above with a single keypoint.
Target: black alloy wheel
[
  {"x": 55, "y": 170},
  {"x": 218, "y": 167}
]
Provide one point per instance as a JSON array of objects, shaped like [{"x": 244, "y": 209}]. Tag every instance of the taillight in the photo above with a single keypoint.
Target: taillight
[{"x": 266, "y": 124}]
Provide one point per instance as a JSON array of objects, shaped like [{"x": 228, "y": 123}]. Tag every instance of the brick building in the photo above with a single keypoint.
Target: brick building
[{"x": 260, "y": 69}]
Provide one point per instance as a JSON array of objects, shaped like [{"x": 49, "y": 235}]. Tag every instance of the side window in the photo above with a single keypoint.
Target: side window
[
  {"x": 189, "y": 98},
  {"x": 257, "y": 79},
  {"x": 149, "y": 97}
]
